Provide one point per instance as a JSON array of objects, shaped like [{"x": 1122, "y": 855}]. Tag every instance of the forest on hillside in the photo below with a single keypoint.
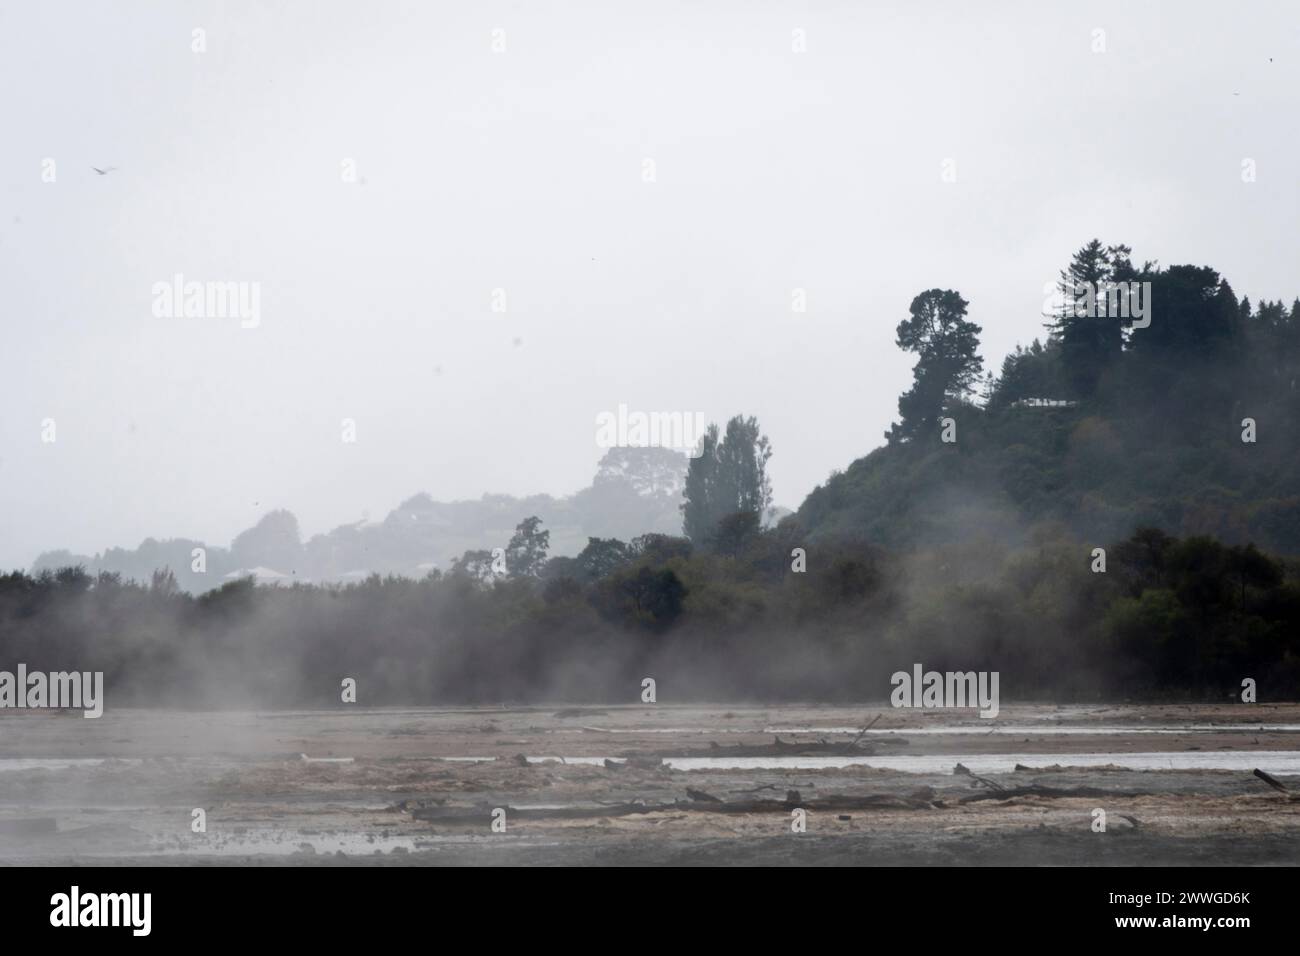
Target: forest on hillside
[
  {"x": 1113, "y": 514},
  {"x": 1188, "y": 424}
]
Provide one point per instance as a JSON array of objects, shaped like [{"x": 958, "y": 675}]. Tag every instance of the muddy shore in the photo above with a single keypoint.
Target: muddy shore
[{"x": 655, "y": 784}]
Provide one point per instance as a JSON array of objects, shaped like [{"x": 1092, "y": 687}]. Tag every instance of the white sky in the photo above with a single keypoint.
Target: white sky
[{"x": 523, "y": 170}]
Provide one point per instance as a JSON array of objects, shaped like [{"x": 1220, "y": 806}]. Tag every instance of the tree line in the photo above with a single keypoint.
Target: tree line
[{"x": 979, "y": 554}]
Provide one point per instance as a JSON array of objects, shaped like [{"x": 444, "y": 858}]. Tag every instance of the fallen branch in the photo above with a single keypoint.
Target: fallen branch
[
  {"x": 1049, "y": 792},
  {"x": 700, "y": 796},
  {"x": 1271, "y": 781},
  {"x": 865, "y": 729}
]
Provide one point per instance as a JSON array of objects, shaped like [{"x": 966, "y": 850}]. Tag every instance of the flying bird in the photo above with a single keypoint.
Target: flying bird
[{"x": 103, "y": 172}]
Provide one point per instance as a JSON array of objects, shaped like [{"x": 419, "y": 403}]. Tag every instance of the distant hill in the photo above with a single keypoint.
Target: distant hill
[{"x": 634, "y": 491}]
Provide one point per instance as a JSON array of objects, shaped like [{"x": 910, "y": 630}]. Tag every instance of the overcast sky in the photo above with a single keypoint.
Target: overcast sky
[{"x": 524, "y": 170}]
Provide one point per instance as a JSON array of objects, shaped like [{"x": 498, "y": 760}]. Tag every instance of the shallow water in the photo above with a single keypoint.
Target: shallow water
[{"x": 1277, "y": 762}]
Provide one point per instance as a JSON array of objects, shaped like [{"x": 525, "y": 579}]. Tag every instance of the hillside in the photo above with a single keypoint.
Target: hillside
[{"x": 1156, "y": 439}]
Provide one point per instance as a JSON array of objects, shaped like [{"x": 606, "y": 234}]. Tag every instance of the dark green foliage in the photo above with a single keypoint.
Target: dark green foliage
[
  {"x": 1142, "y": 427},
  {"x": 734, "y": 532},
  {"x": 1089, "y": 341},
  {"x": 645, "y": 597},
  {"x": 601, "y": 557},
  {"x": 729, "y": 475},
  {"x": 1030, "y": 373},
  {"x": 947, "y": 365},
  {"x": 526, "y": 552},
  {"x": 1170, "y": 617}
]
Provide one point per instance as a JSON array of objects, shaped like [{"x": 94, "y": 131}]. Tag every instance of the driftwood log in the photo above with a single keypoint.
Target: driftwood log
[
  {"x": 1053, "y": 792},
  {"x": 1271, "y": 781}
]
